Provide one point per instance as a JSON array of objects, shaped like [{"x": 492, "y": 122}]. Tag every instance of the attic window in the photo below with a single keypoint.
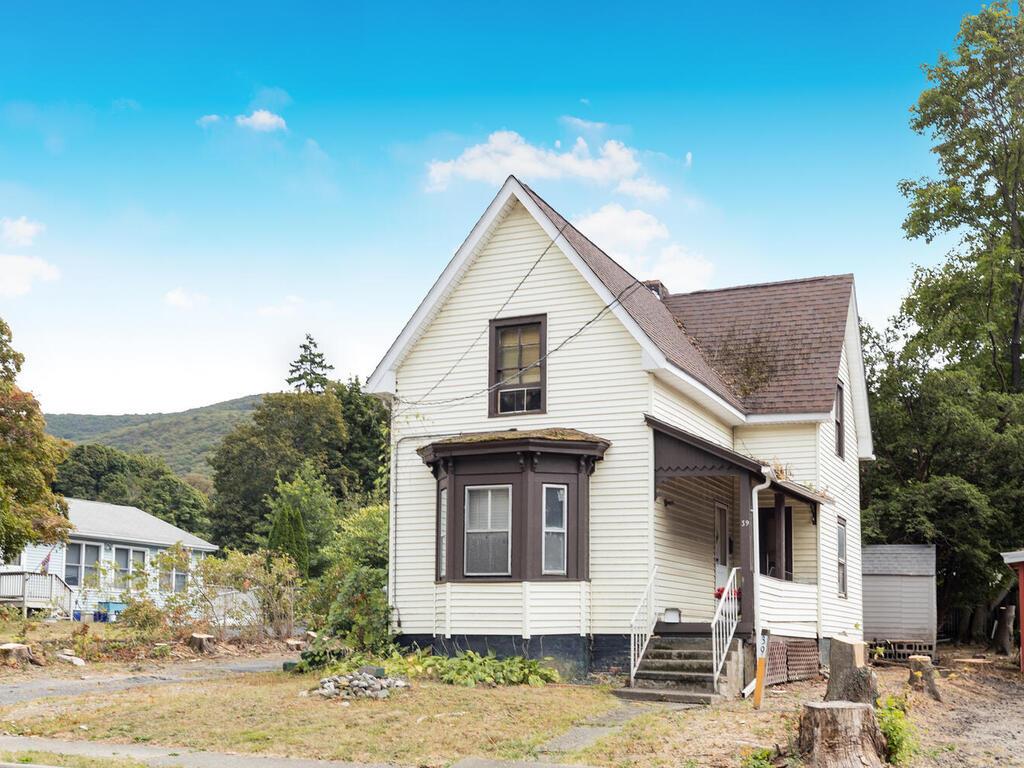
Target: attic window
[{"x": 517, "y": 366}]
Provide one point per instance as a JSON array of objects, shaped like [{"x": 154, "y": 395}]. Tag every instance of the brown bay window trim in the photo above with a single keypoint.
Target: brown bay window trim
[
  {"x": 517, "y": 369},
  {"x": 840, "y": 421},
  {"x": 531, "y": 469}
]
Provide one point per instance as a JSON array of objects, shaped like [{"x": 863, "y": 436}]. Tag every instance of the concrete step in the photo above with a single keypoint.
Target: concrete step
[
  {"x": 682, "y": 643},
  {"x": 697, "y": 681},
  {"x": 677, "y": 665},
  {"x": 686, "y": 654},
  {"x": 671, "y": 695}
]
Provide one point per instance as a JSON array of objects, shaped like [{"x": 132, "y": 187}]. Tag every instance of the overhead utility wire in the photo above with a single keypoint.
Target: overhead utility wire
[
  {"x": 496, "y": 314},
  {"x": 618, "y": 299}
]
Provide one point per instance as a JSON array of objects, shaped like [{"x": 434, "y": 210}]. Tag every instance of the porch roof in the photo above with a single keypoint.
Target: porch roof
[{"x": 705, "y": 457}]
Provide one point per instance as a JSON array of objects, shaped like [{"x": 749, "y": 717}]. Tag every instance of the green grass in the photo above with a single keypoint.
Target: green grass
[{"x": 36, "y": 757}]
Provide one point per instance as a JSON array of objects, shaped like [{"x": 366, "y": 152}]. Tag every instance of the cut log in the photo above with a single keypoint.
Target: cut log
[
  {"x": 295, "y": 644},
  {"x": 922, "y": 676},
  {"x": 849, "y": 677},
  {"x": 15, "y": 654},
  {"x": 840, "y": 734},
  {"x": 1004, "y": 630},
  {"x": 202, "y": 643}
]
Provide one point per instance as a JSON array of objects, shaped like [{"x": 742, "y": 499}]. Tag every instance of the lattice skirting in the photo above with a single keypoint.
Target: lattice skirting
[{"x": 791, "y": 659}]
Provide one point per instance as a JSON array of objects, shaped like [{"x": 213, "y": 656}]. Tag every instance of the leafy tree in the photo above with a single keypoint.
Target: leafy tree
[
  {"x": 367, "y": 419},
  {"x": 102, "y": 473},
  {"x": 30, "y": 512},
  {"x": 309, "y": 498},
  {"x": 971, "y": 309},
  {"x": 309, "y": 371},
  {"x": 288, "y": 535},
  {"x": 286, "y": 430}
]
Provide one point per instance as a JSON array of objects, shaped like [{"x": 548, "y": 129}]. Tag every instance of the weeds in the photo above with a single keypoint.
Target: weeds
[{"x": 899, "y": 733}]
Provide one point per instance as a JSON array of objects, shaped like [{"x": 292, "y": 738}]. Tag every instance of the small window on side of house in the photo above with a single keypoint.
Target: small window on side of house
[
  {"x": 517, "y": 377},
  {"x": 442, "y": 534},
  {"x": 840, "y": 421},
  {"x": 841, "y": 556},
  {"x": 72, "y": 564}
]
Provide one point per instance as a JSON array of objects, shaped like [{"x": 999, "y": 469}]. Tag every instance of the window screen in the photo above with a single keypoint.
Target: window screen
[
  {"x": 555, "y": 525},
  {"x": 488, "y": 531}
]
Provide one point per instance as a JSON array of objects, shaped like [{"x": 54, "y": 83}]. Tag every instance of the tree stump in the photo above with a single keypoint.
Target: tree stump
[
  {"x": 15, "y": 654},
  {"x": 1004, "y": 630},
  {"x": 922, "y": 676},
  {"x": 849, "y": 677},
  {"x": 840, "y": 734},
  {"x": 202, "y": 643}
]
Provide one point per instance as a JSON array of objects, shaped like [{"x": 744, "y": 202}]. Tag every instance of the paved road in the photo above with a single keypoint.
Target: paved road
[{"x": 89, "y": 682}]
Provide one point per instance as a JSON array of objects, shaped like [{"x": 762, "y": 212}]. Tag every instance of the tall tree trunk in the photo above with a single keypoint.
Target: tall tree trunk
[{"x": 979, "y": 623}]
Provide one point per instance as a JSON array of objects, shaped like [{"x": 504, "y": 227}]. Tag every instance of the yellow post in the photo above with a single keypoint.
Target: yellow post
[{"x": 762, "y": 663}]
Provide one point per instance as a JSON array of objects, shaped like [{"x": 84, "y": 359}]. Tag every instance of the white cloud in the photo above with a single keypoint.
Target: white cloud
[
  {"x": 20, "y": 231},
  {"x": 689, "y": 159},
  {"x": 207, "y": 120},
  {"x": 642, "y": 244},
  {"x": 179, "y": 298},
  {"x": 262, "y": 120},
  {"x": 18, "y": 273},
  {"x": 585, "y": 101},
  {"x": 289, "y": 306},
  {"x": 643, "y": 188},
  {"x": 506, "y": 152},
  {"x": 579, "y": 124}
]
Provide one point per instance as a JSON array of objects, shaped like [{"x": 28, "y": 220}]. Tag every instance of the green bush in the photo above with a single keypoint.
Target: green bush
[
  {"x": 321, "y": 653},
  {"x": 759, "y": 758},
  {"x": 899, "y": 733},
  {"x": 470, "y": 668},
  {"x": 143, "y": 617},
  {"x": 359, "y": 614}
]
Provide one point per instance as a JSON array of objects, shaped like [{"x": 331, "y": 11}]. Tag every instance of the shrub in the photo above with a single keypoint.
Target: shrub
[
  {"x": 470, "y": 668},
  {"x": 759, "y": 758},
  {"x": 143, "y": 616},
  {"x": 899, "y": 733},
  {"x": 323, "y": 652},
  {"x": 360, "y": 614}
]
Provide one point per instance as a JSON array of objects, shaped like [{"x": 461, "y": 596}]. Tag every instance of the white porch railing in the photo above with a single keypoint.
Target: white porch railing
[
  {"x": 723, "y": 625},
  {"x": 642, "y": 626},
  {"x": 36, "y": 590}
]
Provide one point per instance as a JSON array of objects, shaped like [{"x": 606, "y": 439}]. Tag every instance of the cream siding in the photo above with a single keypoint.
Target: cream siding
[
  {"x": 792, "y": 447},
  {"x": 684, "y": 541},
  {"x": 676, "y": 409},
  {"x": 840, "y": 479},
  {"x": 788, "y": 608},
  {"x": 595, "y": 383}
]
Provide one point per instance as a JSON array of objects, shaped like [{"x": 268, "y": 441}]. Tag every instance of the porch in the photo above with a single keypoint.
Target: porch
[{"x": 710, "y": 504}]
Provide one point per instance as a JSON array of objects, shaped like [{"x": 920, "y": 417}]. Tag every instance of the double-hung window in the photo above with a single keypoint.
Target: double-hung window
[
  {"x": 81, "y": 563},
  {"x": 175, "y": 578},
  {"x": 517, "y": 377},
  {"x": 442, "y": 534},
  {"x": 488, "y": 546},
  {"x": 841, "y": 555},
  {"x": 553, "y": 555},
  {"x": 128, "y": 561}
]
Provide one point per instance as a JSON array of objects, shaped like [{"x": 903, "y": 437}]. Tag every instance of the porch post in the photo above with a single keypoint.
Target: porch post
[{"x": 747, "y": 564}]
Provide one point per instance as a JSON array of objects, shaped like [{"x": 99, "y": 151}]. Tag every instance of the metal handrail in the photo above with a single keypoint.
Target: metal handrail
[
  {"x": 641, "y": 626},
  {"x": 724, "y": 623}
]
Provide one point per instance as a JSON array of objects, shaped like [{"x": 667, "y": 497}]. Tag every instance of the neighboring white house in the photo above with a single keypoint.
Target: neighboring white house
[
  {"x": 576, "y": 455},
  {"x": 107, "y": 544}
]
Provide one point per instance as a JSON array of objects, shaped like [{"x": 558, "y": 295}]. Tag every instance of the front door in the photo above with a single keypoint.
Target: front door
[{"x": 721, "y": 544}]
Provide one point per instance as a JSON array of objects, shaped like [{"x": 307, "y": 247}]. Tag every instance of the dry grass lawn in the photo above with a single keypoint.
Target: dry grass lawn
[
  {"x": 429, "y": 725},
  {"x": 35, "y": 757}
]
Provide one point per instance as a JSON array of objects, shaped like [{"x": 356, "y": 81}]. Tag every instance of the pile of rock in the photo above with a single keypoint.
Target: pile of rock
[{"x": 365, "y": 683}]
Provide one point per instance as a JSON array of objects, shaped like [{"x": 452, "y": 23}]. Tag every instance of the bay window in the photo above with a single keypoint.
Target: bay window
[
  {"x": 488, "y": 530},
  {"x": 554, "y": 543}
]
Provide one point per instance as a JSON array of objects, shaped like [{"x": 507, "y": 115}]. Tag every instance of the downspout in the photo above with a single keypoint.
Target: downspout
[{"x": 755, "y": 572}]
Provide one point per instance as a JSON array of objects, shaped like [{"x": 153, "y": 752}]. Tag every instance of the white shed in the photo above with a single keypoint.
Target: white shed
[{"x": 899, "y": 597}]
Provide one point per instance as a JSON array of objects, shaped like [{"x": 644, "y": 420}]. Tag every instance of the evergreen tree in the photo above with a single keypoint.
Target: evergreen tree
[
  {"x": 288, "y": 535},
  {"x": 309, "y": 371},
  {"x": 309, "y": 496}
]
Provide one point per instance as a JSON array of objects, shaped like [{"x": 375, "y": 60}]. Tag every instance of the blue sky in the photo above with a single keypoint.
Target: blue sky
[{"x": 186, "y": 189}]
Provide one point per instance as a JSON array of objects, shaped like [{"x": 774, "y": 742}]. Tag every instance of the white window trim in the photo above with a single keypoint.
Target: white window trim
[
  {"x": 174, "y": 573},
  {"x": 564, "y": 530},
  {"x": 841, "y": 525},
  {"x": 81, "y": 561},
  {"x": 466, "y": 531}
]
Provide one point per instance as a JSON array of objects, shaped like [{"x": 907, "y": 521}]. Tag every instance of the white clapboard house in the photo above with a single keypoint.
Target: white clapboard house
[
  {"x": 107, "y": 544},
  {"x": 593, "y": 468}
]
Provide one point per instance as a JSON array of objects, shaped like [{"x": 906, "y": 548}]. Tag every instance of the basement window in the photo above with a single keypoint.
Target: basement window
[{"x": 517, "y": 366}]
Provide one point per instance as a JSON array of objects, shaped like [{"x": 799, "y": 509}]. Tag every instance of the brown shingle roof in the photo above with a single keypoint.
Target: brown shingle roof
[
  {"x": 778, "y": 344},
  {"x": 643, "y": 306}
]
